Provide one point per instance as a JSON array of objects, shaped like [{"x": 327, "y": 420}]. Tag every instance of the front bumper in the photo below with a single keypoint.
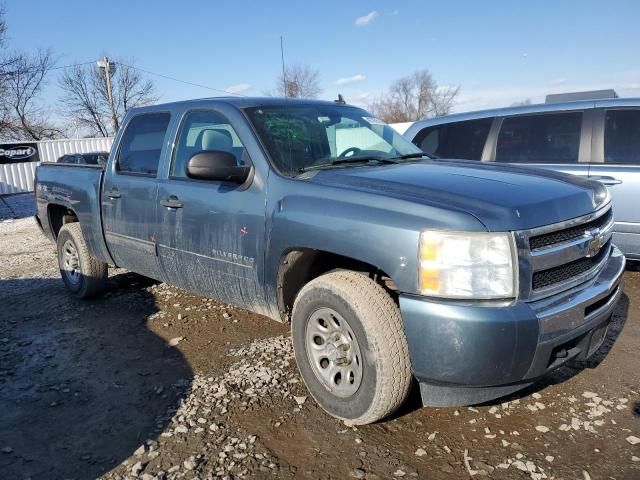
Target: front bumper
[{"x": 470, "y": 352}]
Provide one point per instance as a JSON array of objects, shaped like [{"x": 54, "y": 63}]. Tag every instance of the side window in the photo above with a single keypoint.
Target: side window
[
  {"x": 141, "y": 144},
  {"x": 205, "y": 130},
  {"x": 546, "y": 138},
  {"x": 428, "y": 139},
  {"x": 455, "y": 140},
  {"x": 622, "y": 136}
]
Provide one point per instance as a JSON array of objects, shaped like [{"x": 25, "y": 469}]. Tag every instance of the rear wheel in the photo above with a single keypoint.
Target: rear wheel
[
  {"x": 83, "y": 275},
  {"x": 350, "y": 347}
]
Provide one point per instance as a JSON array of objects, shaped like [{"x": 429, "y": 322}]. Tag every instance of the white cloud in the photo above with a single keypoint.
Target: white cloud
[
  {"x": 445, "y": 88},
  {"x": 353, "y": 79},
  {"x": 360, "y": 100},
  {"x": 558, "y": 81},
  {"x": 367, "y": 19},
  {"x": 242, "y": 87},
  {"x": 480, "y": 98}
]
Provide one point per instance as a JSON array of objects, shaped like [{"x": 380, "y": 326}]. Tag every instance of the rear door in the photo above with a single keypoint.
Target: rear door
[
  {"x": 213, "y": 232},
  {"x": 616, "y": 163},
  {"x": 129, "y": 194},
  {"x": 559, "y": 141}
]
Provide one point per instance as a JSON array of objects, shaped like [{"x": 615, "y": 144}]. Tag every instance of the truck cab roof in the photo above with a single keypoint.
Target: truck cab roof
[{"x": 238, "y": 102}]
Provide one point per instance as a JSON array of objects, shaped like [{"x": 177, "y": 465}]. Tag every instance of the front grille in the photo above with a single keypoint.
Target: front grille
[
  {"x": 561, "y": 273},
  {"x": 568, "y": 234}
]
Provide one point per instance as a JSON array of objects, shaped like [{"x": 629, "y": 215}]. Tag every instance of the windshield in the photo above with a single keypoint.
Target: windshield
[{"x": 300, "y": 137}]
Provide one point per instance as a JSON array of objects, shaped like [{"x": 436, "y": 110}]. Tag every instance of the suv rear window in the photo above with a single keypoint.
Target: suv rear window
[
  {"x": 455, "y": 140},
  {"x": 622, "y": 136},
  {"x": 546, "y": 138},
  {"x": 141, "y": 144}
]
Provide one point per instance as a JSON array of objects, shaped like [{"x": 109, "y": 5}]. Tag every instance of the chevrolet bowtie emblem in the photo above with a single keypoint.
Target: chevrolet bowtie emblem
[{"x": 596, "y": 242}]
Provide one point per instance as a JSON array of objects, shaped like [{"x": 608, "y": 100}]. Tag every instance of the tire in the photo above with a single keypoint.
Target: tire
[
  {"x": 375, "y": 378},
  {"x": 83, "y": 275}
]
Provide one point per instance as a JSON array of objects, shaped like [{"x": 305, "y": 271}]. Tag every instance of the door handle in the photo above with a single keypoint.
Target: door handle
[
  {"x": 607, "y": 180},
  {"x": 171, "y": 202},
  {"x": 114, "y": 193}
]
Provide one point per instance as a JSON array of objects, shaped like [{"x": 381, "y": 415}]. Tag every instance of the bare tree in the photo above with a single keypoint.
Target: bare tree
[
  {"x": 443, "y": 100},
  {"x": 7, "y": 63},
  {"x": 81, "y": 103},
  {"x": 132, "y": 89},
  {"x": 414, "y": 97},
  {"x": 26, "y": 117},
  {"x": 298, "y": 81},
  {"x": 86, "y": 99},
  {"x": 22, "y": 78}
]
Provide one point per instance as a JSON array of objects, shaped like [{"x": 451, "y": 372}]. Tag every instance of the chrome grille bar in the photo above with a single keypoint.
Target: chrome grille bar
[{"x": 589, "y": 244}]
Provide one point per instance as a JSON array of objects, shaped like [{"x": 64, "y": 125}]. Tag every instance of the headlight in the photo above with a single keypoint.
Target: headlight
[
  {"x": 467, "y": 265},
  {"x": 601, "y": 196}
]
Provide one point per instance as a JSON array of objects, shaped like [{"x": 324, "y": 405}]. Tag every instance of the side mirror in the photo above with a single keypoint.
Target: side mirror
[{"x": 216, "y": 165}]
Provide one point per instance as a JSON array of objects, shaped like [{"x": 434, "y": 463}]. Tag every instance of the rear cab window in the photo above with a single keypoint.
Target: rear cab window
[
  {"x": 543, "y": 138},
  {"x": 622, "y": 137},
  {"x": 141, "y": 144},
  {"x": 463, "y": 140}
]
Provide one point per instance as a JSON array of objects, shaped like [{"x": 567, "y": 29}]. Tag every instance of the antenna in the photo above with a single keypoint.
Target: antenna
[{"x": 284, "y": 75}]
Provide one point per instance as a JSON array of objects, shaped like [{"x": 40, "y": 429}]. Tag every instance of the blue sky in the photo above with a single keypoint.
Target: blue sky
[{"x": 498, "y": 52}]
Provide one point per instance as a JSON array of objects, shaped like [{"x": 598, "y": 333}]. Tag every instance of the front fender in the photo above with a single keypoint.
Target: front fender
[{"x": 380, "y": 231}]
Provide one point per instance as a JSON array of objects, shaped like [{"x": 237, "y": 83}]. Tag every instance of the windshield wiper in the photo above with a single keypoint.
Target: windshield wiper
[
  {"x": 415, "y": 155},
  {"x": 349, "y": 160}
]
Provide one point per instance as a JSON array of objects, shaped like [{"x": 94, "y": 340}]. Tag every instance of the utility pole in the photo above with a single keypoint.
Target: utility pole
[
  {"x": 284, "y": 75},
  {"x": 109, "y": 69}
]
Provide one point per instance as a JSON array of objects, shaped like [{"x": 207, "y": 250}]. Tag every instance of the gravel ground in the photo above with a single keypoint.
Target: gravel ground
[{"x": 152, "y": 382}]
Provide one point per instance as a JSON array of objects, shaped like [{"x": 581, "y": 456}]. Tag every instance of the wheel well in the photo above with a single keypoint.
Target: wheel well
[
  {"x": 58, "y": 216},
  {"x": 298, "y": 267}
]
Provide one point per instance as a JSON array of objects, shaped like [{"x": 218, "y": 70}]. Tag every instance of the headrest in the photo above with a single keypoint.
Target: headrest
[{"x": 215, "y": 139}]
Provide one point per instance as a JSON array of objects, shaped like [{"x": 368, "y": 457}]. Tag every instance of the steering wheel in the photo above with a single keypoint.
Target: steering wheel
[{"x": 353, "y": 150}]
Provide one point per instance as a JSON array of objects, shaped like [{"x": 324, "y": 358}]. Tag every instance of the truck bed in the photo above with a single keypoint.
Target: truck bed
[{"x": 77, "y": 188}]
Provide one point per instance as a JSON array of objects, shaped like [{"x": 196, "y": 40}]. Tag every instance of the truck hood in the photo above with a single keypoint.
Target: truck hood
[{"x": 502, "y": 197}]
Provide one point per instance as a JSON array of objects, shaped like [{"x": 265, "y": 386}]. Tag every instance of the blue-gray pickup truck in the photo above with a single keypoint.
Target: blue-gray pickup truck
[{"x": 476, "y": 281}]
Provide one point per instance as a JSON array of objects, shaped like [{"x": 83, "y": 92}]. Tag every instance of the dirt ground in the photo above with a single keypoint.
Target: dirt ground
[{"x": 153, "y": 382}]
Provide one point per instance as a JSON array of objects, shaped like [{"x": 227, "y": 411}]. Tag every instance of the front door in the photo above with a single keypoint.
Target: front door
[
  {"x": 619, "y": 169},
  {"x": 212, "y": 232},
  {"x": 129, "y": 195}
]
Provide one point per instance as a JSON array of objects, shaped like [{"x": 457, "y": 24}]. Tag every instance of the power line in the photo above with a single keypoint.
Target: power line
[
  {"x": 183, "y": 81},
  {"x": 168, "y": 77},
  {"x": 73, "y": 65},
  {"x": 15, "y": 72}
]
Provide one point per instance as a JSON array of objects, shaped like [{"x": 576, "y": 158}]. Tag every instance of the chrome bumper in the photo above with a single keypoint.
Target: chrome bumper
[{"x": 582, "y": 305}]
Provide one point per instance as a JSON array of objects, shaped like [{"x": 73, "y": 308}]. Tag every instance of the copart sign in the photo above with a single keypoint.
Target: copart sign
[{"x": 18, "y": 152}]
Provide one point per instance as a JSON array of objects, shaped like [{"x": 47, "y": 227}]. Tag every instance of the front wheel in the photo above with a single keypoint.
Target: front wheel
[
  {"x": 83, "y": 275},
  {"x": 350, "y": 347}
]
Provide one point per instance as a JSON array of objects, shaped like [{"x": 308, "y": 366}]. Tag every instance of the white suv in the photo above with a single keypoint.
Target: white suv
[{"x": 595, "y": 138}]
